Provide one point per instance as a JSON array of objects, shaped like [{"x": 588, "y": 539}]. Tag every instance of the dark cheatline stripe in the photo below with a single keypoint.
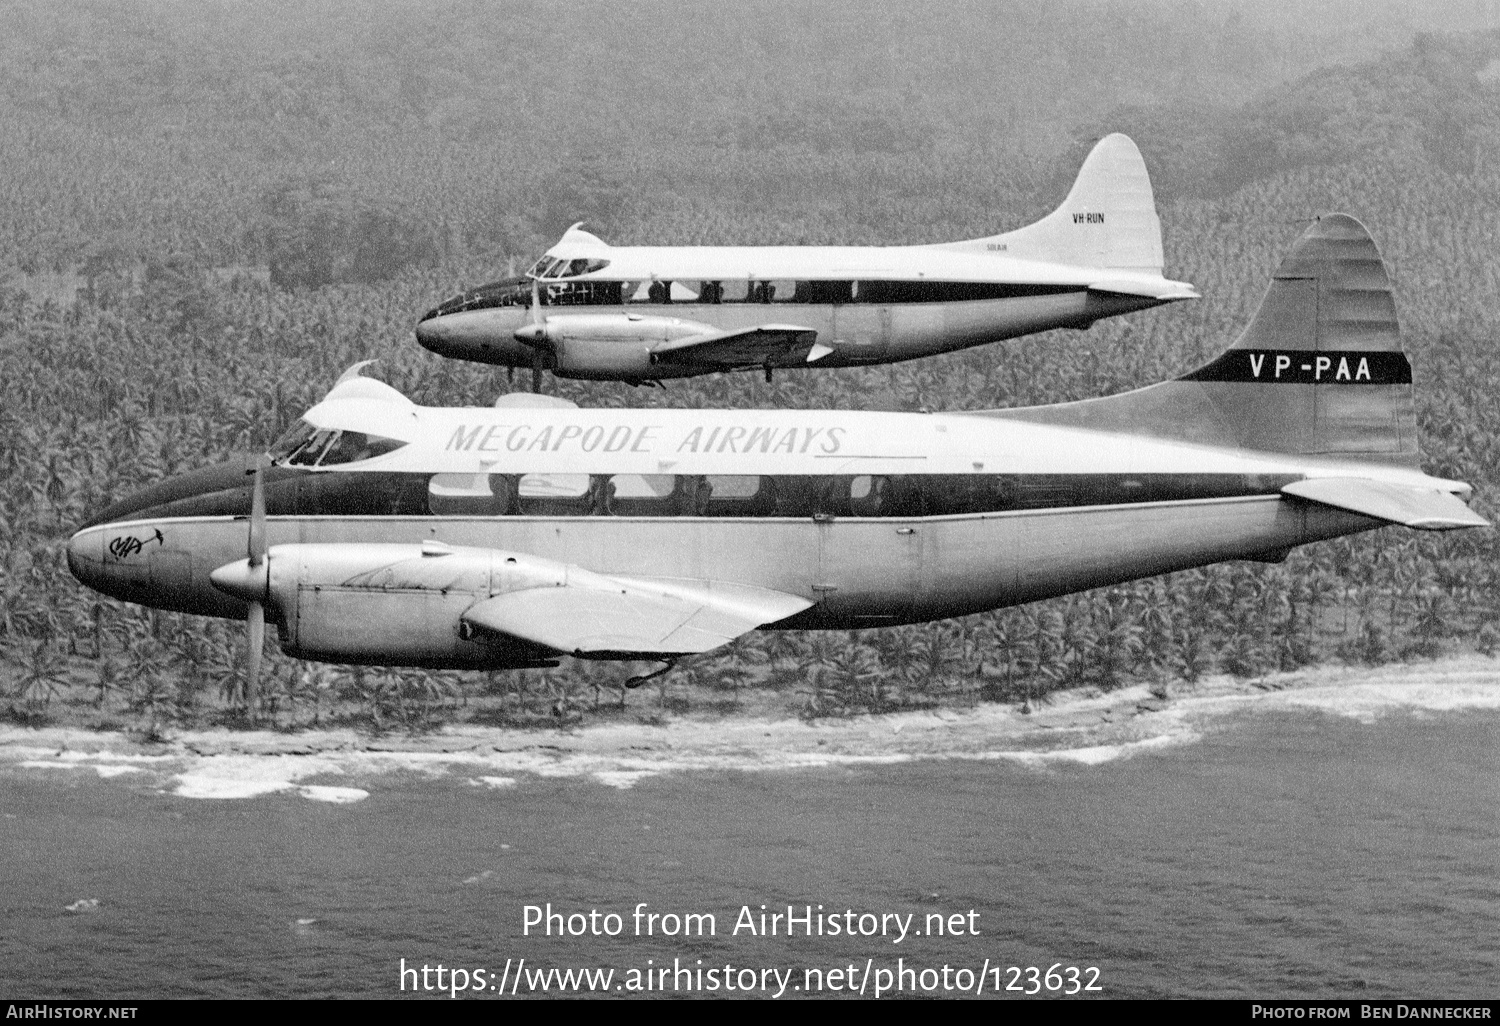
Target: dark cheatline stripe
[
  {"x": 1307, "y": 367},
  {"x": 516, "y": 292},
  {"x": 355, "y": 494}
]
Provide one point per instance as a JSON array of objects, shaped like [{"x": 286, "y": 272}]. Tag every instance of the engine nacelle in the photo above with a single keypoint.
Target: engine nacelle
[
  {"x": 587, "y": 358},
  {"x": 398, "y": 604},
  {"x": 608, "y": 346}
]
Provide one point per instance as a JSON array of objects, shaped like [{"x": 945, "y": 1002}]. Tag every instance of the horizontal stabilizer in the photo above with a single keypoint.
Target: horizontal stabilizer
[
  {"x": 632, "y": 618},
  {"x": 1162, "y": 289},
  {"x": 739, "y": 347},
  {"x": 1421, "y": 508}
]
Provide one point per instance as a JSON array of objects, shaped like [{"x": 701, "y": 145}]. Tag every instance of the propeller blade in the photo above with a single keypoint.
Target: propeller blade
[
  {"x": 256, "y": 548},
  {"x": 255, "y": 618},
  {"x": 534, "y": 334},
  {"x": 255, "y": 621}
]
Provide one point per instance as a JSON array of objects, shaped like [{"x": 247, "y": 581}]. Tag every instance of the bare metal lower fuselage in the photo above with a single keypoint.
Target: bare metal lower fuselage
[
  {"x": 858, "y": 572},
  {"x": 859, "y": 334}
]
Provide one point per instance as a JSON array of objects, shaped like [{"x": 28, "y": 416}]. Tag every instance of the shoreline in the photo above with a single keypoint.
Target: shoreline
[{"x": 1082, "y": 727}]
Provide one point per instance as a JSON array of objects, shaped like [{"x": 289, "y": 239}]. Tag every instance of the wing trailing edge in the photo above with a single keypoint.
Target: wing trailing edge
[
  {"x": 1425, "y": 509},
  {"x": 623, "y": 618},
  {"x": 736, "y": 347}
]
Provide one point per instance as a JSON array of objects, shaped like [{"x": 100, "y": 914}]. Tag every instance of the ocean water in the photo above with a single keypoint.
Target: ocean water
[{"x": 1275, "y": 850}]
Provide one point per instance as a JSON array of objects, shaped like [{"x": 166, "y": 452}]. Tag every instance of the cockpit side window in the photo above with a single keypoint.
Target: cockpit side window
[
  {"x": 579, "y": 266},
  {"x": 353, "y": 446},
  {"x": 307, "y": 446}
]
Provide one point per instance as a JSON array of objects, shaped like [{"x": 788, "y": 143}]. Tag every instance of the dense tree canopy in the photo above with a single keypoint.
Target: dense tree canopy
[{"x": 207, "y": 211}]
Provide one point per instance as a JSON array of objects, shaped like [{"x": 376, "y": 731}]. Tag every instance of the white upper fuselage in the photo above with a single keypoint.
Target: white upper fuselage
[
  {"x": 974, "y": 261},
  {"x": 525, "y": 438}
]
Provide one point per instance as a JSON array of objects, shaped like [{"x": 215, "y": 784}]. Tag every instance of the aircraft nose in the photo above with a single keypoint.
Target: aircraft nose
[
  {"x": 482, "y": 335},
  {"x": 434, "y": 334},
  {"x": 460, "y": 335},
  {"x": 86, "y": 556}
]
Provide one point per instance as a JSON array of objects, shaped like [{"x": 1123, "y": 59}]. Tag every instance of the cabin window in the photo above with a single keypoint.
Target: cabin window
[
  {"x": 780, "y": 291},
  {"x": 555, "y": 494},
  {"x": 733, "y": 291},
  {"x": 649, "y": 495},
  {"x": 865, "y": 493},
  {"x": 736, "y": 486},
  {"x": 881, "y": 496},
  {"x": 737, "y": 495},
  {"x": 470, "y": 494},
  {"x": 660, "y": 293}
]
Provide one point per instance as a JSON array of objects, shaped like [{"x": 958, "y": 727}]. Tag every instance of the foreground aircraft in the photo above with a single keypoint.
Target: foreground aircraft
[
  {"x": 384, "y": 532},
  {"x": 644, "y": 313}
]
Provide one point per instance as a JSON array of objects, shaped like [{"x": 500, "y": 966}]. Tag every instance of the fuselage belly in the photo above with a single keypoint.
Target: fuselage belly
[
  {"x": 859, "y": 334},
  {"x": 859, "y": 572}
]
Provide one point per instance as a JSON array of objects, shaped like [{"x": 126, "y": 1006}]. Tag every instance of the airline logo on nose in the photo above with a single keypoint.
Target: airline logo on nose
[{"x": 1308, "y": 367}]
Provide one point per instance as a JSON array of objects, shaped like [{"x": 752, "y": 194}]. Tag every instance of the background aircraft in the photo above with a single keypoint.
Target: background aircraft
[
  {"x": 507, "y": 536},
  {"x": 643, "y": 313}
]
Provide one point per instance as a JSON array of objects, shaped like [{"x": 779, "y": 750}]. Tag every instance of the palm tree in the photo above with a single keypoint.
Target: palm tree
[{"x": 42, "y": 675}]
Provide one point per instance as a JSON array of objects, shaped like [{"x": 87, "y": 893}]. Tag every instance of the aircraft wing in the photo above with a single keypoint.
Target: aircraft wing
[
  {"x": 742, "y": 347},
  {"x": 1421, "y": 508},
  {"x": 631, "y": 618}
]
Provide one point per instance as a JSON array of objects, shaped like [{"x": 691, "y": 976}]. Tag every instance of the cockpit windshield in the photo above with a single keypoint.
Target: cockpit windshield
[{"x": 308, "y": 446}]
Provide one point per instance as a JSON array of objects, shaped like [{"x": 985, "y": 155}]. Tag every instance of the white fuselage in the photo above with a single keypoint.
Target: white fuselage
[{"x": 1079, "y": 512}]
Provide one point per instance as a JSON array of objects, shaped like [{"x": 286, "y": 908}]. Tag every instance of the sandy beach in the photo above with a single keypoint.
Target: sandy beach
[{"x": 1084, "y": 726}]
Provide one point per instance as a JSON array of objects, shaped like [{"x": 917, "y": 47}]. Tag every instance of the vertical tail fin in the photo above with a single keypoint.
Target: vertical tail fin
[
  {"x": 1318, "y": 371},
  {"x": 1108, "y": 220}
]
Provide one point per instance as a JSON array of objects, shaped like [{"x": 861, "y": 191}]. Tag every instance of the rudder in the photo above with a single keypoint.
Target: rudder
[{"x": 1108, "y": 219}]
